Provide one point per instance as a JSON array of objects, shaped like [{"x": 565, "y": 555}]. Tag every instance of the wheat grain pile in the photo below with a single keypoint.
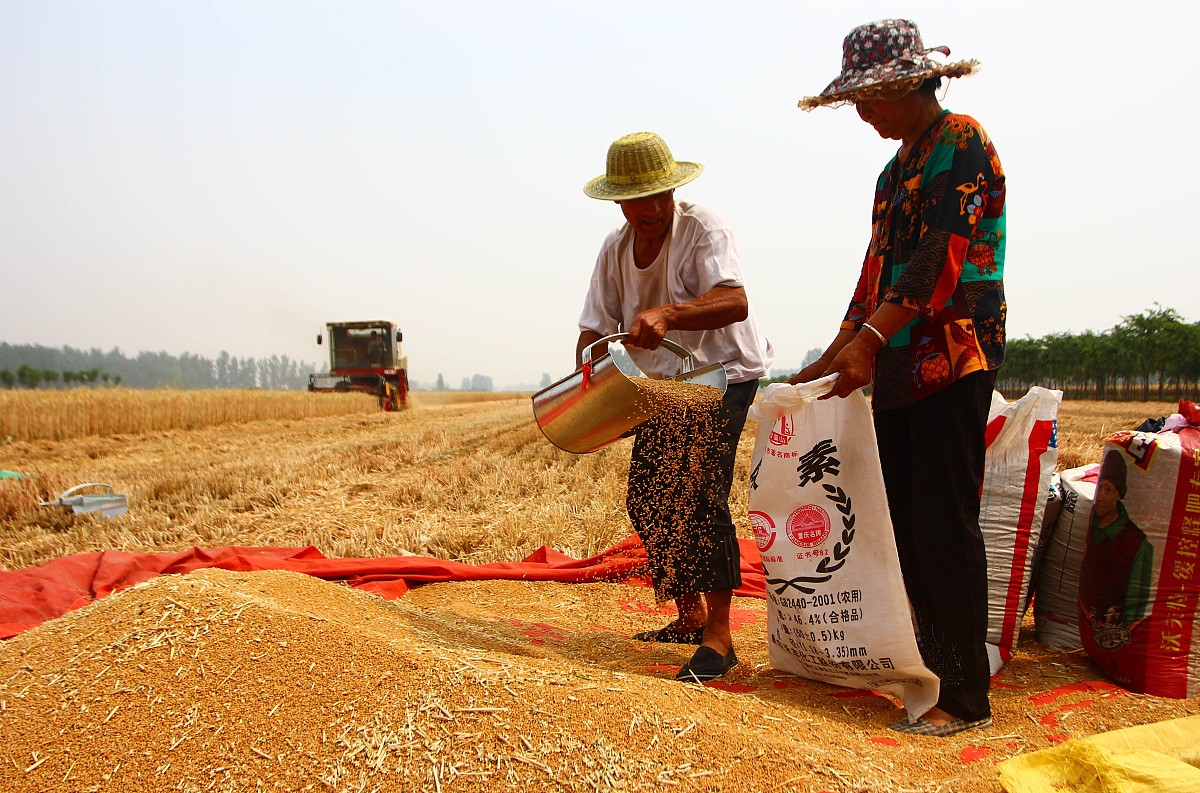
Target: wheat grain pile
[
  {"x": 277, "y": 681},
  {"x": 235, "y": 681}
]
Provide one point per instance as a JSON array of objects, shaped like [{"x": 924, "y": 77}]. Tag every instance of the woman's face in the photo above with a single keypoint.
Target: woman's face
[{"x": 891, "y": 118}]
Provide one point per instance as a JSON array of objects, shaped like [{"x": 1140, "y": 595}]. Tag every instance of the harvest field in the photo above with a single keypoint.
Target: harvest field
[{"x": 228, "y": 681}]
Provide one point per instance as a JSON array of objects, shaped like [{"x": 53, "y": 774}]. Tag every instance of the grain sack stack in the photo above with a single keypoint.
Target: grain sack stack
[
  {"x": 1139, "y": 582},
  {"x": 1056, "y": 585},
  {"x": 1022, "y": 450}
]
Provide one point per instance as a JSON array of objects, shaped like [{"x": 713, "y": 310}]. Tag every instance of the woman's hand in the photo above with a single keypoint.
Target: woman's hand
[
  {"x": 811, "y": 372},
  {"x": 853, "y": 363}
]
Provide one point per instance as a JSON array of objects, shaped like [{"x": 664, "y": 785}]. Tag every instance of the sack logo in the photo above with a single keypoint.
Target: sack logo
[
  {"x": 1141, "y": 448},
  {"x": 764, "y": 530},
  {"x": 808, "y": 526},
  {"x": 1112, "y": 637},
  {"x": 784, "y": 431}
]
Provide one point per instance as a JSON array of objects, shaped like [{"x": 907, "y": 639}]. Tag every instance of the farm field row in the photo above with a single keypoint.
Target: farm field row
[
  {"x": 81, "y": 412},
  {"x": 471, "y": 481}
]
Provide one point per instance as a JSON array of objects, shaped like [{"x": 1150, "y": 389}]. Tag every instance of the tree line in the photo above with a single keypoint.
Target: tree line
[
  {"x": 30, "y": 377},
  {"x": 33, "y": 366},
  {"x": 1154, "y": 355}
]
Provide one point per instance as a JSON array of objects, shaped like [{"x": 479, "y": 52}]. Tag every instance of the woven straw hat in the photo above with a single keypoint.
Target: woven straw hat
[
  {"x": 884, "y": 60},
  {"x": 640, "y": 165}
]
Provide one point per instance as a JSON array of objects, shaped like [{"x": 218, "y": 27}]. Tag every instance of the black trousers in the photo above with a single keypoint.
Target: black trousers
[
  {"x": 684, "y": 522},
  {"x": 932, "y": 454}
]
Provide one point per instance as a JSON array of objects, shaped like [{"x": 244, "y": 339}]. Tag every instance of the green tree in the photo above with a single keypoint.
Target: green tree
[
  {"x": 1022, "y": 364},
  {"x": 1150, "y": 336},
  {"x": 28, "y": 376},
  {"x": 8, "y": 378}
]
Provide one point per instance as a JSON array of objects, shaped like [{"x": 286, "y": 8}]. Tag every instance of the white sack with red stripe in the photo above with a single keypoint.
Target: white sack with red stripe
[
  {"x": 1022, "y": 451},
  {"x": 837, "y": 609}
]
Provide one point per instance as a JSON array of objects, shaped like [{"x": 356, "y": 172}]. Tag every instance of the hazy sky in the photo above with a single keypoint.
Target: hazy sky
[{"x": 207, "y": 176}]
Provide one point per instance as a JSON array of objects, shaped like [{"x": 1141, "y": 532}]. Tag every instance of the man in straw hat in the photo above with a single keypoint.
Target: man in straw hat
[
  {"x": 672, "y": 271},
  {"x": 926, "y": 326}
]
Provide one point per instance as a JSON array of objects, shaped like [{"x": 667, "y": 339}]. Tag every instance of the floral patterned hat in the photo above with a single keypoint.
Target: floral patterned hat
[{"x": 884, "y": 60}]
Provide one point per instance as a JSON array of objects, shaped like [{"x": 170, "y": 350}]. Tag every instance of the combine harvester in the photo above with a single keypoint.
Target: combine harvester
[{"x": 365, "y": 356}]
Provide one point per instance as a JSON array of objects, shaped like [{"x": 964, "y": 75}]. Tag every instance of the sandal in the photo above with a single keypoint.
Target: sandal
[{"x": 924, "y": 726}]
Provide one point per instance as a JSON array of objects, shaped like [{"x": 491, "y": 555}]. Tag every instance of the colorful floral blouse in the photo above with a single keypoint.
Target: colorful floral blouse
[{"x": 937, "y": 246}]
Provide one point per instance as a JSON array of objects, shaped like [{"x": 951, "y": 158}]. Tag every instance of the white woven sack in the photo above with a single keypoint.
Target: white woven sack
[
  {"x": 1022, "y": 451},
  {"x": 837, "y": 609},
  {"x": 1056, "y": 590}
]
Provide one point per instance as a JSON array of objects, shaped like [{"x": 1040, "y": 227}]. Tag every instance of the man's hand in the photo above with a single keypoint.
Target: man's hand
[
  {"x": 650, "y": 327},
  {"x": 586, "y": 339}
]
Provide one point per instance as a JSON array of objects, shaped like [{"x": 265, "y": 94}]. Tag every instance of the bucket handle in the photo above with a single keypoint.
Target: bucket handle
[
  {"x": 77, "y": 488},
  {"x": 66, "y": 493},
  {"x": 678, "y": 349}
]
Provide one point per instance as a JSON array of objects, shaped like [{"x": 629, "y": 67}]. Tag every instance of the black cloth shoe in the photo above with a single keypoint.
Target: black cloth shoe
[
  {"x": 706, "y": 664},
  {"x": 669, "y": 635}
]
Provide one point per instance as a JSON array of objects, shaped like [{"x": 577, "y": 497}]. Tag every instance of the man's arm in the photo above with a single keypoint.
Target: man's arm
[{"x": 719, "y": 307}]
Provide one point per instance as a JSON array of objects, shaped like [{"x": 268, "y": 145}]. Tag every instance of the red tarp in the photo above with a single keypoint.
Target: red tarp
[{"x": 32, "y": 596}]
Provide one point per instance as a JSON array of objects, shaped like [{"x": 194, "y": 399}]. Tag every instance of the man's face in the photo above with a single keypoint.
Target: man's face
[
  {"x": 1107, "y": 497},
  {"x": 650, "y": 215}
]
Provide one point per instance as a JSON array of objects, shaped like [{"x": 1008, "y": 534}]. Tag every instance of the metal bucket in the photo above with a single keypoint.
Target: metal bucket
[
  {"x": 600, "y": 402},
  {"x": 109, "y": 505}
]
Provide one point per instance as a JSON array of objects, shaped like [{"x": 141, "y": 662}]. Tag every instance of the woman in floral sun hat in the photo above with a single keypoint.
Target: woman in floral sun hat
[{"x": 925, "y": 327}]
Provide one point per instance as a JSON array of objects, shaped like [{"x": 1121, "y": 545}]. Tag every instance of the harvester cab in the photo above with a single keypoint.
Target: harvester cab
[{"x": 365, "y": 356}]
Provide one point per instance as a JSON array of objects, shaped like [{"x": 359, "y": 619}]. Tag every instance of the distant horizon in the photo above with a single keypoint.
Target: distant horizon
[{"x": 425, "y": 382}]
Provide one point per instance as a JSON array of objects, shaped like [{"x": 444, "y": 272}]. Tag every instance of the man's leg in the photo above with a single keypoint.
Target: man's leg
[{"x": 717, "y": 633}]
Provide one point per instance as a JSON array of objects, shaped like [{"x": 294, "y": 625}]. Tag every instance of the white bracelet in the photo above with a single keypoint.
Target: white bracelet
[{"x": 872, "y": 328}]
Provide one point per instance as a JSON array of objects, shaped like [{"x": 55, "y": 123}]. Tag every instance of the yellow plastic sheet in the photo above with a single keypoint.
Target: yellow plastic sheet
[{"x": 1153, "y": 758}]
